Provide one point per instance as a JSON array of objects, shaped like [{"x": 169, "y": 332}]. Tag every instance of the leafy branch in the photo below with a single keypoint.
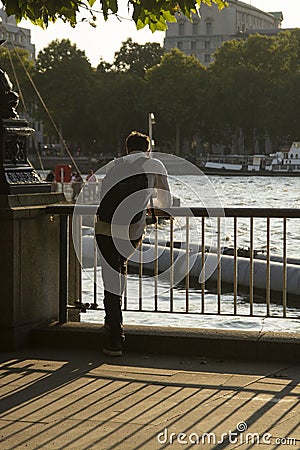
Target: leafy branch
[{"x": 152, "y": 13}]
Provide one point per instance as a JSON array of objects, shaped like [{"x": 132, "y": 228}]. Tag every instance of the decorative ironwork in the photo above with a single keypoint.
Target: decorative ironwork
[
  {"x": 15, "y": 151},
  {"x": 22, "y": 177}
]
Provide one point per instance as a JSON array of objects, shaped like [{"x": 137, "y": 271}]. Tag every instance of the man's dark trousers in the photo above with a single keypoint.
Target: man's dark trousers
[{"x": 114, "y": 255}]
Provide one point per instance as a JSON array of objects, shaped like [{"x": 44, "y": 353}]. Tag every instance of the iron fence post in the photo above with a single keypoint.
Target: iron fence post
[{"x": 63, "y": 269}]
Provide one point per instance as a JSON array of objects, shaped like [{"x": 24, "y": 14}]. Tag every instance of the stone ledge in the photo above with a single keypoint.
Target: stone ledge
[
  {"x": 28, "y": 205},
  {"x": 36, "y": 199},
  {"x": 269, "y": 346}
]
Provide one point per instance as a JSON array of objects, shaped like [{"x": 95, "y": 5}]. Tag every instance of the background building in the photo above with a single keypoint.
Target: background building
[
  {"x": 203, "y": 35},
  {"x": 15, "y": 35}
]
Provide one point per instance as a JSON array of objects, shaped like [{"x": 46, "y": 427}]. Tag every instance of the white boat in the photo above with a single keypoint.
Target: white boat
[{"x": 285, "y": 162}]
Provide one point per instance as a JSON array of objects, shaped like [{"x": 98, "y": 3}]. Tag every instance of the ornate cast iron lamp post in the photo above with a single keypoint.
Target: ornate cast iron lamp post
[{"x": 17, "y": 176}]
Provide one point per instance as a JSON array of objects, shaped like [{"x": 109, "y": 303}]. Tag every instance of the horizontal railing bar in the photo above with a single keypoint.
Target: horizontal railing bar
[
  {"x": 199, "y": 313},
  {"x": 63, "y": 209}
]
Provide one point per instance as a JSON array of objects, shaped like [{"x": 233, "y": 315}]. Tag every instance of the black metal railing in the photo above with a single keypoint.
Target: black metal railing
[{"x": 249, "y": 265}]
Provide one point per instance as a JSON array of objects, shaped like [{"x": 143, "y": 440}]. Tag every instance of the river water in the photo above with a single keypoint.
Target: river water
[{"x": 215, "y": 191}]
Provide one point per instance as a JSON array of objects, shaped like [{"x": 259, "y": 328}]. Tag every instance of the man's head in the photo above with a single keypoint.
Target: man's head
[{"x": 137, "y": 142}]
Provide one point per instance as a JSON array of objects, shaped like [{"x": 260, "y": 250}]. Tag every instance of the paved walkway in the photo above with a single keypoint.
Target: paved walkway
[{"x": 62, "y": 399}]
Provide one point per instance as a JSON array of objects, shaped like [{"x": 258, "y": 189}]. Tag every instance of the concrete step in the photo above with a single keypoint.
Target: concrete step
[{"x": 247, "y": 345}]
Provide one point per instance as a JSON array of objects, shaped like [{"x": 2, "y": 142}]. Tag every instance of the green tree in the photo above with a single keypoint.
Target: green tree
[
  {"x": 118, "y": 106},
  {"x": 65, "y": 81},
  {"x": 256, "y": 51},
  {"x": 284, "y": 79},
  {"x": 284, "y": 127},
  {"x": 176, "y": 94},
  {"x": 257, "y": 74},
  {"x": 136, "y": 58},
  {"x": 152, "y": 13}
]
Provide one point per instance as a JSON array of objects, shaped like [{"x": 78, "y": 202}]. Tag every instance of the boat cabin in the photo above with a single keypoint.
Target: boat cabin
[{"x": 294, "y": 153}]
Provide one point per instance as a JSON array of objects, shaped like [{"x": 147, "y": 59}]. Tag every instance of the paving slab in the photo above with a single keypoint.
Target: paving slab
[{"x": 75, "y": 399}]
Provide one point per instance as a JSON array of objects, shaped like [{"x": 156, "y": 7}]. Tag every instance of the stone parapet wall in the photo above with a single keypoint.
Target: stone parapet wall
[{"x": 29, "y": 244}]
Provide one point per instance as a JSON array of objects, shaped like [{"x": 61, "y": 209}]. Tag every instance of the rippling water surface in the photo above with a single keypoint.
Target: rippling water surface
[{"x": 215, "y": 191}]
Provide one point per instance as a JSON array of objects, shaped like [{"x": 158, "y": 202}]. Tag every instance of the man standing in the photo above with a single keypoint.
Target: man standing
[
  {"x": 131, "y": 181},
  {"x": 91, "y": 177}
]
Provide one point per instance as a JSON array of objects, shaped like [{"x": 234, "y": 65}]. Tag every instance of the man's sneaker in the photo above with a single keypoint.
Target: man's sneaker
[
  {"x": 113, "y": 345},
  {"x": 113, "y": 349}
]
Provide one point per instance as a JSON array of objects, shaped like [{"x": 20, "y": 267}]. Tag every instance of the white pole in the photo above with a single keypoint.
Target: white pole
[
  {"x": 62, "y": 178},
  {"x": 151, "y": 121}
]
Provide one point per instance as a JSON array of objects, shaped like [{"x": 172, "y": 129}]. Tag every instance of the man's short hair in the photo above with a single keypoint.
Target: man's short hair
[{"x": 137, "y": 141}]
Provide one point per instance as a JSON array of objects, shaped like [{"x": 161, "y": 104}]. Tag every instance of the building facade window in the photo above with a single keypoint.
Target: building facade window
[
  {"x": 209, "y": 32},
  {"x": 181, "y": 28},
  {"x": 208, "y": 27},
  {"x": 207, "y": 58}
]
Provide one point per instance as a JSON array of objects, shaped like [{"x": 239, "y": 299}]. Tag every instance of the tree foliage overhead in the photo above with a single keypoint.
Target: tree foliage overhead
[{"x": 152, "y": 13}]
